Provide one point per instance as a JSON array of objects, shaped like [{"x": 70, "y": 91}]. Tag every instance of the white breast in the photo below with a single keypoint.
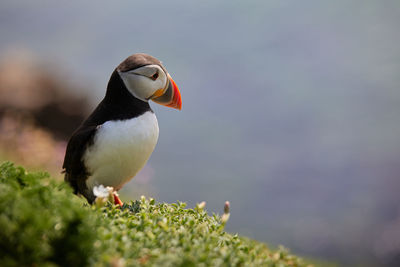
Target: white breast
[{"x": 120, "y": 150}]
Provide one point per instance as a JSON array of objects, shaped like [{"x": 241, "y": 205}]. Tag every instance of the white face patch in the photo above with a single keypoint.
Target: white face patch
[
  {"x": 143, "y": 82},
  {"x": 120, "y": 149}
]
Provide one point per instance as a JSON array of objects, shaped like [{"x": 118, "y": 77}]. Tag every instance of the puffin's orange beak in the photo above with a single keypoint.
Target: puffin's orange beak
[{"x": 171, "y": 97}]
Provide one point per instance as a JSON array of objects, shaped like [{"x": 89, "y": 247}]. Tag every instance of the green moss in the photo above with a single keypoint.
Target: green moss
[
  {"x": 40, "y": 222},
  {"x": 43, "y": 223}
]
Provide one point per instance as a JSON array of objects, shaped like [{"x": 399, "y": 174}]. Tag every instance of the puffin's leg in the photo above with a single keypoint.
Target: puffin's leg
[{"x": 117, "y": 201}]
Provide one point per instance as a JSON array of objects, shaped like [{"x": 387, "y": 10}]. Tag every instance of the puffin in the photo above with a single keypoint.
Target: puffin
[{"x": 116, "y": 140}]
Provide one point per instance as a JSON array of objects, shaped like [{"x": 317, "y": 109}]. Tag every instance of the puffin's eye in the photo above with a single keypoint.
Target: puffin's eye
[{"x": 155, "y": 76}]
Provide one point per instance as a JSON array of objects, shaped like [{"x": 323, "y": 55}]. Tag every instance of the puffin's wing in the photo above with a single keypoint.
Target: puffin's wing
[{"x": 74, "y": 168}]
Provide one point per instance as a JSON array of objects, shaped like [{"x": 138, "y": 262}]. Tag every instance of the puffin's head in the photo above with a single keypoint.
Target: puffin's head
[{"x": 146, "y": 78}]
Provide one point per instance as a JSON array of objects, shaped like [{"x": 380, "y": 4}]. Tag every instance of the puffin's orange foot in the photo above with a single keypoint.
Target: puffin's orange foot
[{"x": 117, "y": 201}]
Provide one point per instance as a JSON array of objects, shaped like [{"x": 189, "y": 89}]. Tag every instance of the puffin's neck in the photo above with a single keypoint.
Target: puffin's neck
[
  {"x": 117, "y": 93},
  {"x": 121, "y": 101}
]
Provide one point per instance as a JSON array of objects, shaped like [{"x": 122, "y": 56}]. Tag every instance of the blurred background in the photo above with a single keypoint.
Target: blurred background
[{"x": 290, "y": 109}]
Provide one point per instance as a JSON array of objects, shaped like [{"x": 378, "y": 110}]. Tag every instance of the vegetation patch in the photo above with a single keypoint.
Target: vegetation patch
[{"x": 43, "y": 224}]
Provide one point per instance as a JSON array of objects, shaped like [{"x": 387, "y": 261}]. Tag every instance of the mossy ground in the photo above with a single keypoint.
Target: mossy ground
[{"x": 43, "y": 224}]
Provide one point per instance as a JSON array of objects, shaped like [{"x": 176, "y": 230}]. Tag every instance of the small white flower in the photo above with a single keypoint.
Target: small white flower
[
  {"x": 202, "y": 205},
  {"x": 102, "y": 192}
]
